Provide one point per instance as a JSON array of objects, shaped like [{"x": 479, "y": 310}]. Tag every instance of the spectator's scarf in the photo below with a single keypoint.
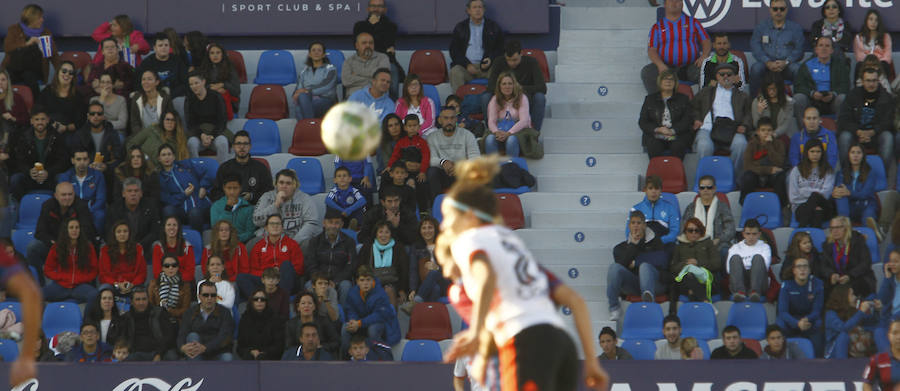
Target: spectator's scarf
[
  {"x": 168, "y": 289},
  {"x": 834, "y": 30},
  {"x": 707, "y": 217},
  {"x": 383, "y": 253},
  {"x": 31, "y": 32}
]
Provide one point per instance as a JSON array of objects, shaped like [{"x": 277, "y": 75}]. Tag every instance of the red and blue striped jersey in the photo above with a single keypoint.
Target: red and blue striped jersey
[{"x": 677, "y": 42}]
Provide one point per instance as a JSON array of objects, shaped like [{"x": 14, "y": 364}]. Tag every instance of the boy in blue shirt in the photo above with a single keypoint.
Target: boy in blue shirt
[{"x": 346, "y": 199}]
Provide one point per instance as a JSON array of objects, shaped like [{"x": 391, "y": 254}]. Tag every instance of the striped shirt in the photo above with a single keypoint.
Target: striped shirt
[{"x": 677, "y": 42}]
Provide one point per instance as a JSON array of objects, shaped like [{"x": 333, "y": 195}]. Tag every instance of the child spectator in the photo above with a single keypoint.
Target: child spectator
[
  {"x": 361, "y": 174},
  {"x": 415, "y": 102},
  {"x": 850, "y": 323},
  {"x": 235, "y": 210},
  {"x": 122, "y": 262},
  {"x": 748, "y": 262},
  {"x": 307, "y": 309},
  {"x": 802, "y": 247},
  {"x": 854, "y": 192},
  {"x": 228, "y": 248},
  {"x": 662, "y": 217},
  {"x": 278, "y": 297},
  {"x": 764, "y": 162},
  {"x": 346, "y": 199},
  {"x": 71, "y": 266},
  {"x": 359, "y": 351},
  {"x": 169, "y": 290},
  {"x": 389, "y": 261},
  {"x": 326, "y": 296},
  {"x": 636, "y": 267},
  {"x": 405, "y": 186},
  {"x": 216, "y": 274},
  {"x": 90, "y": 349},
  {"x": 887, "y": 292},
  {"x": 274, "y": 250},
  {"x": 810, "y": 186},
  {"x": 777, "y": 348},
  {"x": 412, "y": 141},
  {"x": 369, "y": 312},
  {"x": 121, "y": 350},
  {"x": 462, "y": 120},
  {"x": 800, "y": 305},
  {"x": 261, "y": 331}
]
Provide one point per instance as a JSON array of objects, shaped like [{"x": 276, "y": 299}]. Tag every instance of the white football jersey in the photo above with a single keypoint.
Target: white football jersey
[{"x": 521, "y": 297}]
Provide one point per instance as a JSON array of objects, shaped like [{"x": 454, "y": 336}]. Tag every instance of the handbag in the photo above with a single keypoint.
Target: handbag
[
  {"x": 506, "y": 123},
  {"x": 723, "y": 131}
]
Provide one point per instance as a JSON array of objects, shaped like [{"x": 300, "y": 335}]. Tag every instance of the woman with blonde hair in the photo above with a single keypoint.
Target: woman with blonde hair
[
  {"x": 12, "y": 106},
  {"x": 24, "y": 61},
  {"x": 846, "y": 258},
  {"x": 507, "y": 115}
]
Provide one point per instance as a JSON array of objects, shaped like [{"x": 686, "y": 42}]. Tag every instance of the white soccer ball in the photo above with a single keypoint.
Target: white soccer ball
[{"x": 351, "y": 130}]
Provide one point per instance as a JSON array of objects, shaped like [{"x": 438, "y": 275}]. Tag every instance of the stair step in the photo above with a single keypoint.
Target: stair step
[
  {"x": 584, "y": 127},
  {"x": 610, "y": 218},
  {"x": 589, "y": 90},
  {"x": 564, "y": 255},
  {"x": 578, "y": 163},
  {"x": 612, "y": 15},
  {"x": 591, "y": 237},
  {"x": 578, "y": 55},
  {"x": 599, "y": 39},
  {"x": 592, "y": 144},
  {"x": 574, "y": 202},
  {"x": 598, "y": 73},
  {"x": 597, "y": 110},
  {"x": 587, "y": 183}
]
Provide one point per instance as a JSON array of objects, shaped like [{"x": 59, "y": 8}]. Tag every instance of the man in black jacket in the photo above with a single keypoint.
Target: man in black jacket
[
  {"x": 37, "y": 155},
  {"x": 385, "y": 33},
  {"x": 256, "y": 179},
  {"x": 637, "y": 260},
  {"x": 333, "y": 253},
  {"x": 172, "y": 71},
  {"x": 141, "y": 214},
  {"x": 529, "y": 75},
  {"x": 207, "y": 329},
  {"x": 471, "y": 60},
  {"x": 148, "y": 329},
  {"x": 402, "y": 221},
  {"x": 866, "y": 117},
  {"x": 110, "y": 146},
  {"x": 54, "y": 212}
]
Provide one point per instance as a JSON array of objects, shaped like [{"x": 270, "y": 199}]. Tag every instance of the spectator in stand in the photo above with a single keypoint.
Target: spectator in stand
[
  {"x": 104, "y": 312},
  {"x": 608, "y": 340},
  {"x": 450, "y": 145},
  {"x": 391, "y": 133},
  {"x": 307, "y": 311},
  {"x": 24, "y": 60},
  {"x": 255, "y": 177},
  {"x": 183, "y": 188},
  {"x": 296, "y": 208},
  {"x": 279, "y": 298},
  {"x": 694, "y": 263},
  {"x": 854, "y": 194},
  {"x": 669, "y": 348},
  {"x": 333, "y": 254},
  {"x": 357, "y": 68},
  {"x": 217, "y": 274},
  {"x": 91, "y": 349},
  {"x": 89, "y": 185},
  {"x": 800, "y": 305},
  {"x": 139, "y": 212},
  {"x": 673, "y": 44},
  {"x": 748, "y": 264},
  {"x": 261, "y": 331},
  {"x": 528, "y": 74},
  {"x": 122, "y": 262},
  {"x": 661, "y": 216},
  {"x": 764, "y": 162},
  {"x": 225, "y": 245},
  {"x": 813, "y": 129},
  {"x": 71, "y": 265},
  {"x": 64, "y": 104},
  {"x": 12, "y": 106},
  {"x": 195, "y": 44},
  {"x": 389, "y": 261},
  {"x": 716, "y": 216},
  {"x": 722, "y": 55},
  {"x": 235, "y": 211},
  {"x": 207, "y": 329},
  {"x": 810, "y": 185},
  {"x": 777, "y": 45},
  {"x": 139, "y": 167},
  {"x": 176, "y": 45},
  {"x": 850, "y": 323},
  {"x": 873, "y": 38},
  {"x": 402, "y": 222},
  {"x": 463, "y": 120},
  {"x": 309, "y": 348},
  {"x": 723, "y": 106},
  {"x": 122, "y": 33},
  {"x": 833, "y": 26},
  {"x": 635, "y": 270},
  {"x": 150, "y": 330},
  {"x": 98, "y": 136},
  {"x": 475, "y": 42},
  {"x": 413, "y": 140},
  {"x": 846, "y": 259},
  {"x": 690, "y": 349},
  {"x": 171, "y": 71},
  {"x": 149, "y": 102},
  {"x": 206, "y": 115},
  {"x": 773, "y": 102},
  {"x": 777, "y": 348},
  {"x": 54, "y": 212},
  {"x": 376, "y": 96},
  {"x": 822, "y": 81},
  {"x": 871, "y": 61},
  {"x": 369, "y": 312},
  {"x": 315, "y": 92},
  {"x": 221, "y": 77},
  {"x": 169, "y": 289},
  {"x": 170, "y": 133},
  {"x": 416, "y": 103},
  {"x": 881, "y": 369},
  {"x": 428, "y": 283},
  {"x": 362, "y": 175},
  {"x": 109, "y": 63},
  {"x": 326, "y": 296},
  {"x": 866, "y": 115},
  {"x": 801, "y": 246},
  {"x": 275, "y": 250},
  {"x": 733, "y": 347},
  {"x": 171, "y": 242},
  {"x": 507, "y": 115},
  {"x": 384, "y": 31},
  {"x": 666, "y": 119},
  {"x": 399, "y": 179},
  {"x": 37, "y": 156},
  {"x": 113, "y": 105},
  {"x": 347, "y": 199},
  {"x": 887, "y": 291}
]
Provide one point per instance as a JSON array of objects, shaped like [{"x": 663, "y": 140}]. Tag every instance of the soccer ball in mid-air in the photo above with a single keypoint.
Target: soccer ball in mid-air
[{"x": 351, "y": 130}]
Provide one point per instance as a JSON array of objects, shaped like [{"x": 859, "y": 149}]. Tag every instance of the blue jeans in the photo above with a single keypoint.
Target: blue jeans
[
  {"x": 512, "y": 145},
  {"x": 815, "y": 334},
  {"x": 311, "y": 106},
  {"x": 536, "y": 106},
  {"x": 759, "y": 68},
  {"x": 620, "y": 280},
  {"x": 433, "y": 287},
  {"x": 194, "y": 337},
  {"x": 343, "y": 288},
  {"x": 885, "y": 144},
  {"x": 197, "y": 218},
  {"x": 375, "y": 332},
  {"x": 82, "y": 293},
  {"x": 247, "y": 283},
  {"x": 857, "y": 210},
  {"x": 704, "y": 147}
]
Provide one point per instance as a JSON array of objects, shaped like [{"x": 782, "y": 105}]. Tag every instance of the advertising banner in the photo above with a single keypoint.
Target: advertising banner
[{"x": 743, "y": 15}]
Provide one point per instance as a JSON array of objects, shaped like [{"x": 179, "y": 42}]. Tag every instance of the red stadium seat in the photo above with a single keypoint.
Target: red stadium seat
[
  {"x": 671, "y": 170},
  {"x": 80, "y": 59},
  {"x": 468, "y": 89},
  {"x": 268, "y": 101},
  {"x": 25, "y": 93},
  {"x": 263, "y": 161},
  {"x": 430, "y": 321},
  {"x": 308, "y": 138},
  {"x": 659, "y": 299},
  {"x": 237, "y": 60},
  {"x": 511, "y": 210},
  {"x": 829, "y": 124},
  {"x": 429, "y": 65},
  {"x": 753, "y": 345},
  {"x": 686, "y": 90},
  {"x": 539, "y": 55}
]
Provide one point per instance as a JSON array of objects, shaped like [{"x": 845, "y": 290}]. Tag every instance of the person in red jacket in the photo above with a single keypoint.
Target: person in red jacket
[
  {"x": 122, "y": 30},
  {"x": 122, "y": 263},
  {"x": 227, "y": 246},
  {"x": 412, "y": 140},
  {"x": 172, "y": 242},
  {"x": 71, "y": 266},
  {"x": 274, "y": 250}
]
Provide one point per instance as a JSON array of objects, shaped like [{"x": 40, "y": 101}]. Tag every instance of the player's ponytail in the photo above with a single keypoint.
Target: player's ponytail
[{"x": 473, "y": 185}]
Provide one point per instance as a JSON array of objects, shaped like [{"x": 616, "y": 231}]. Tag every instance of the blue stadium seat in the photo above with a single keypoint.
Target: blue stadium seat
[
  {"x": 30, "y": 209},
  {"x": 643, "y": 321},
  {"x": 763, "y": 206},
  {"x": 421, "y": 350},
  {"x": 750, "y": 318},
  {"x": 432, "y": 92},
  {"x": 805, "y": 345},
  {"x": 704, "y": 346},
  {"x": 436, "y": 208},
  {"x": 59, "y": 317},
  {"x": 351, "y": 233},
  {"x": 672, "y": 198},
  {"x": 21, "y": 237},
  {"x": 481, "y": 82},
  {"x": 887, "y": 251},
  {"x": 337, "y": 59},
  {"x": 264, "y": 137},
  {"x": 871, "y": 242},
  {"x": 309, "y": 172},
  {"x": 521, "y": 189},
  {"x": 13, "y": 306},
  {"x": 698, "y": 320},
  {"x": 276, "y": 67},
  {"x": 236, "y": 315},
  {"x": 877, "y": 170},
  {"x": 205, "y": 166},
  {"x": 816, "y": 234},
  {"x": 196, "y": 240},
  {"x": 640, "y": 349},
  {"x": 9, "y": 350},
  {"x": 721, "y": 168}
]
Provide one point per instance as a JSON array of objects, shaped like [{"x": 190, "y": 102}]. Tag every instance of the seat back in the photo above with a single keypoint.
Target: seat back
[
  {"x": 264, "y": 162},
  {"x": 640, "y": 349},
  {"x": 79, "y": 58},
  {"x": 309, "y": 172},
  {"x": 743, "y": 58},
  {"x": 429, "y": 65},
  {"x": 351, "y": 233},
  {"x": 336, "y": 57},
  {"x": 672, "y": 199},
  {"x": 643, "y": 321},
  {"x": 196, "y": 240},
  {"x": 264, "y": 137},
  {"x": 871, "y": 242},
  {"x": 511, "y": 209},
  {"x": 763, "y": 206},
  {"x": 430, "y": 321},
  {"x": 9, "y": 350},
  {"x": 421, "y": 350},
  {"x": 829, "y": 123},
  {"x": 432, "y": 93},
  {"x": 307, "y": 139},
  {"x": 268, "y": 101},
  {"x": 26, "y": 94},
  {"x": 721, "y": 168},
  {"x": 816, "y": 235},
  {"x": 436, "y": 207},
  {"x": 237, "y": 61},
  {"x": 698, "y": 320},
  {"x": 671, "y": 170},
  {"x": 753, "y": 345},
  {"x": 276, "y": 67},
  {"x": 13, "y": 306},
  {"x": 805, "y": 345},
  {"x": 59, "y": 317},
  {"x": 30, "y": 209},
  {"x": 21, "y": 238},
  {"x": 541, "y": 58},
  {"x": 750, "y": 318},
  {"x": 686, "y": 90},
  {"x": 469, "y": 89},
  {"x": 210, "y": 165}
]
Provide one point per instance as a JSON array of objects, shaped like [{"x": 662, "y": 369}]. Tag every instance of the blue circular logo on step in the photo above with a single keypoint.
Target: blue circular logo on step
[
  {"x": 585, "y": 200},
  {"x": 621, "y": 1},
  {"x": 579, "y": 237},
  {"x": 603, "y": 90},
  {"x": 567, "y": 311},
  {"x": 590, "y": 161},
  {"x": 597, "y": 125},
  {"x": 573, "y": 273}
]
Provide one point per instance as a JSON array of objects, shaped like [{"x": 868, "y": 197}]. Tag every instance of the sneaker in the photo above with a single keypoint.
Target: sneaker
[
  {"x": 614, "y": 314},
  {"x": 738, "y": 297},
  {"x": 754, "y": 297},
  {"x": 871, "y": 223},
  {"x": 647, "y": 297}
]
